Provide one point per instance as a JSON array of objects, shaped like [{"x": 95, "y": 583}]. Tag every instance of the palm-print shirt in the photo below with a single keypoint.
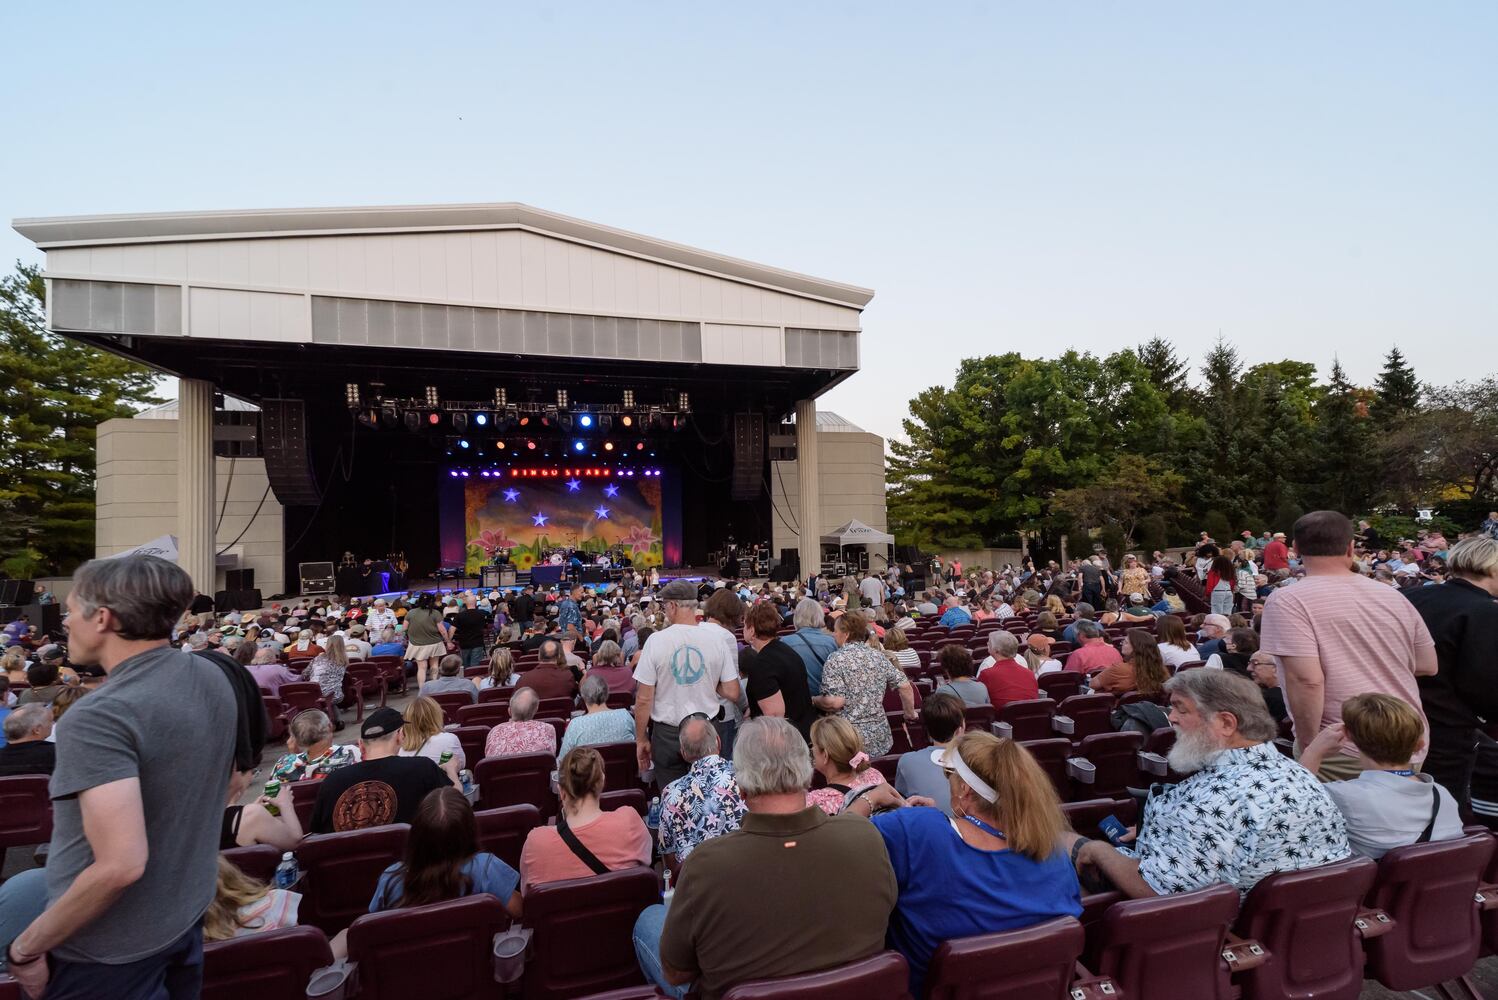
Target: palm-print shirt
[
  {"x": 327, "y": 675},
  {"x": 702, "y": 804},
  {"x": 861, "y": 675},
  {"x": 1248, "y": 814},
  {"x": 296, "y": 766}
]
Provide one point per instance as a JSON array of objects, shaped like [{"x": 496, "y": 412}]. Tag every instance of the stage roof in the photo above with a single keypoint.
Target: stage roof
[{"x": 295, "y": 301}]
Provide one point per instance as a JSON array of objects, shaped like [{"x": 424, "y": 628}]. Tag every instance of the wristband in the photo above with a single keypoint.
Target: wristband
[{"x": 10, "y": 957}]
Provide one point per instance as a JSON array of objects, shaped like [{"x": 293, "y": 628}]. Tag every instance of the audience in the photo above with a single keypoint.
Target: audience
[
  {"x": 311, "y": 752},
  {"x": 242, "y": 905},
  {"x": 775, "y": 677},
  {"x": 598, "y": 723},
  {"x": 702, "y": 804},
  {"x": 522, "y": 734},
  {"x": 1141, "y": 670},
  {"x": 586, "y": 840},
  {"x": 551, "y": 677},
  {"x": 383, "y": 787},
  {"x": 854, "y": 680},
  {"x": 264, "y": 821},
  {"x": 1095, "y": 651},
  {"x": 917, "y": 773},
  {"x": 450, "y": 680},
  {"x": 443, "y": 861},
  {"x": 423, "y": 734},
  {"x": 957, "y": 663},
  {"x": 837, "y": 754},
  {"x": 27, "y": 748},
  {"x": 608, "y": 666},
  {"x": 1007, "y": 677}
]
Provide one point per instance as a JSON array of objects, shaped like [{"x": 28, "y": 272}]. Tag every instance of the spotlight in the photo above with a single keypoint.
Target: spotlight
[
  {"x": 369, "y": 418},
  {"x": 434, "y": 419},
  {"x": 500, "y": 445},
  {"x": 627, "y": 420},
  {"x": 629, "y": 399},
  {"x": 525, "y": 421},
  {"x": 639, "y": 446},
  {"x": 413, "y": 420},
  {"x": 453, "y": 473},
  {"x": 586, "y": 420},
  {"x": 463, "y": 443},
  {"x": 432, "y": 395},
  {"x": 464, "y": 473},
  {"x": 501, "y": 397},
  {"x": 481, "y": 419},
  {"x": 562, "y": 399},
  {"x": 484, "y": 474},
  {"x": 531, "y": 445},
  {"x": 389, "y": 415},
  {"x": 460, "y": 421},
  {"x": 351, "y": 395},
  {"x": 684, "y": 403},
  {"x": 578, "y": 446}
]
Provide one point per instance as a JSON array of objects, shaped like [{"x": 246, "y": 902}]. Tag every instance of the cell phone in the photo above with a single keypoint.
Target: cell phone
[{"x": 1112, "y": 829}]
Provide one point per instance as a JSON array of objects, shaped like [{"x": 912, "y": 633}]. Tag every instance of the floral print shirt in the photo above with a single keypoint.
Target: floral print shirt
[
  {"x": 296, "y": 766},
  {"x": 860, "y": 675},
  {"x": 830, "y": 800},
  {"x": 521, "y": 737},
  {"x": 702, "y": 804},
  {"x": 327, "y": 675}
]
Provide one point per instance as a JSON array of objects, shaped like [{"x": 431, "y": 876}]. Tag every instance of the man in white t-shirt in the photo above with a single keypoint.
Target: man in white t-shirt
[
  {"x": 682, "y": 672},
  {"x": 872, "y": 590},
  {"x": 379, "y": 618}
]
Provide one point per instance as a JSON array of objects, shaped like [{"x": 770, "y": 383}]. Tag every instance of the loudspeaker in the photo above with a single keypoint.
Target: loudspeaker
[
  {"x": 288, "y": 464},
  {"x": 46, "y": 617},
  {"x": 595, "y": 574},
  {"x": 748, "y": 455},
  {"x": 237, "y": 600},
  {"x": 17, "y": 592},
  {"x": 239, "y": 579},
  {"x": 791, "y": 558},
  {"x": 783, "y": 574}
]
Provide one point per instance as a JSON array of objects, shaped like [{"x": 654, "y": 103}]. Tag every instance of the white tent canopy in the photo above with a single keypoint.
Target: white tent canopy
[
  {"x": 165, "y": 547},
  {"x": 857, "y": 533}
]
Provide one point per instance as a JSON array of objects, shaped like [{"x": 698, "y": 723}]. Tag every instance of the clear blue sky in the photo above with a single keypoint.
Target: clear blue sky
[{"x": 1310, "y": 179}]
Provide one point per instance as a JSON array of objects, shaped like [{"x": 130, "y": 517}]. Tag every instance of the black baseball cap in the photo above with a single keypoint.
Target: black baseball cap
[{"x": 381, "y": 722}]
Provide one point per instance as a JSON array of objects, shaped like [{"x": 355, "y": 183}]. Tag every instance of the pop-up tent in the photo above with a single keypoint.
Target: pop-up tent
[{"x": 857, "y": 533}]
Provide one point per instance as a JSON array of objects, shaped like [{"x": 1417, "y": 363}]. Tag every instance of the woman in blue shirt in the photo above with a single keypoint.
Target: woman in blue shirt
[{"x": 994, "y": 865}]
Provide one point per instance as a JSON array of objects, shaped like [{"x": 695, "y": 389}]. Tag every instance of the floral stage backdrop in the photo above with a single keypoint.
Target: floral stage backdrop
[{"x": 530, "y": 515}]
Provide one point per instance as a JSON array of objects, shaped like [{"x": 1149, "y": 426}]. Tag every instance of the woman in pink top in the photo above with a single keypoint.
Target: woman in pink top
[
  {"x": 617, "y": 839},
  {"x": 837, "y": 754}
]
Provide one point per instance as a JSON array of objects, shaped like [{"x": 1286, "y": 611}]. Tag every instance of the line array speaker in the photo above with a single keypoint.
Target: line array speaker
[
  {"x": 748, "y": 455},
  {"x": 288, "y": 464}
]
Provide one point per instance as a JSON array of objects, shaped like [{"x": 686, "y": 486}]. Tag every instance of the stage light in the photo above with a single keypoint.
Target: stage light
[
  {"x": 627, "y": 420},
  {"x": 608, "y": 446},
  {"x": 531, "y": 445},
  {"x": 481, "y": 419},
  {"x": 413, "y": 420},
  {"x": 562, "y": 399},
  {"x": 453, "y": 473},
  {"x": 578, "y": 446},
  {"x": 586, "y": 420},
  {"x": 460, "y": 421},
  {"x": 484, "y": 474},
  {"x": 464, "y": 473},
  {"x": 684, "y": 403},
  {"x": 500, "y": 445},
  {"x": 501, "y": 397},
  {"x": 639, "y": 446},
  {"x": 351, "y": 395},
  {"x": 434, "y": 419},
  {"x": 629, "y": 399},
  {"x": 432, "y": 399},
  {"x": 525, "y": 421},
  {"x": 463, "y": 443}
]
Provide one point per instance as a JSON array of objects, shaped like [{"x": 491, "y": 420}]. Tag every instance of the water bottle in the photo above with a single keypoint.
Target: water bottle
[
  {"x": 654, "y": 819},
  {"x": 666, "y": 891},
  {"x": 287, "y": 872},
  {"x": 466, "y": 776}
]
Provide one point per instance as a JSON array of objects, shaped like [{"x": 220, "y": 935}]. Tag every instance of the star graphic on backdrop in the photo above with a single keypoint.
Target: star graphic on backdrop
[
  {"x": 540, "y": 520},
  {"x": 601, "y": 512},
  {"x": 573, "y": 485},
  {"x": 611, "y": 491},
  {"x": 511, "y": 495}
]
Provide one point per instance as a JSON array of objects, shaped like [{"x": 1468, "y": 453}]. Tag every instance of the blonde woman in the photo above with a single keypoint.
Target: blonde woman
[
  {"x": 242, "y": 905},
  {"x": 897, "y": 643},
  {"x": 14, "y": 663},
  {"x": 423, "y": 734},
  {"x": 501, "y": 670},
  {"x": 1055, "y": 605},
  {"x": 837, "y": 753}
]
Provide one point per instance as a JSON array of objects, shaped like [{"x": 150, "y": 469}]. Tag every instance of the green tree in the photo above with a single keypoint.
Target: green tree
[
  {"x": 1220, "y": 465},
  {"x": 1282, "y": 434},
  {"x": 1167, "y": 372},
  {"x": 1396, "y": 393},
  {"x": 53, "y": 393},
  {"x": 1128, "y": 491},
  {"x": 1343, "y": 463}
]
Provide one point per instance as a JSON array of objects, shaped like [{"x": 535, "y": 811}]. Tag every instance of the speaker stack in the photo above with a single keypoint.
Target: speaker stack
[
  {"x": 288, "y": 463},
  {"x": 748, "y": 455}
]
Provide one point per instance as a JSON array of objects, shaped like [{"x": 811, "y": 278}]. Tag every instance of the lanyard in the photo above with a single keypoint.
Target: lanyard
[{"x": 984, "y": 827}]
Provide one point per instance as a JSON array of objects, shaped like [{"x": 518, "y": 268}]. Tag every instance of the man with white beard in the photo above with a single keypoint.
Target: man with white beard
[{"x": 1245, "y": 812}]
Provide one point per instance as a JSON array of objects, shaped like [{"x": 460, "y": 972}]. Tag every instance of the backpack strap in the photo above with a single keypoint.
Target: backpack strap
[{"x": 577, "y": 847}]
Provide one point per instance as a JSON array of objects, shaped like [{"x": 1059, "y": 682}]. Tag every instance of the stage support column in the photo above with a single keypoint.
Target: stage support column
[
  {"x": 810, "y": 514},
  {"x": 195, "y": 486}
]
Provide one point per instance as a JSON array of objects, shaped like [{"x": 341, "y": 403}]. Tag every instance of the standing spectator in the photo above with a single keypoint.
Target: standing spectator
[
  {"x": 723, "y": 616},
  {"x": 326, "y": 671},
  {"x": 1277, "y": 553},
  {"x": 774, "y": 675},
  {"x": 1221, "y": 579},
  {"x": 427, "y": 633},
  {"x": 854, "y": 681},
  {"x": 1462, "y": 618},
  {"x": 129, "y": 886},
  {"x": 1091, "y": 581},
  {"x": 703, "y": 803},
  {"x": 1134, "y": 579},
  {"x": 569, "y": 613},
  {"x": 469, "y": 627},
  {"x": 682, "y": 671},
  {"x": 1337, "y": 633},
  {"x": 812, "y": 642}
]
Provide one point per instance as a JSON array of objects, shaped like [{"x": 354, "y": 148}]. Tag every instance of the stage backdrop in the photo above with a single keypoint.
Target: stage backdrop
[{"x": 529, "y": 514}]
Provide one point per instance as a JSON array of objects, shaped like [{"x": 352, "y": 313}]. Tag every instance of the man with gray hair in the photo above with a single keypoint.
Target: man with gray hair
[
  {"x": 717, "y": 936},
  {"x": 1245, "y": 811},
  {"x": 1004, "y": 675},
  {"x": 703, "y": 803},
  {"x": 27, "y": 749},
  {"x": 1094, "y": 651},
  {"x": 811, "y": 641},
  {"x": 128, "y": 886}
]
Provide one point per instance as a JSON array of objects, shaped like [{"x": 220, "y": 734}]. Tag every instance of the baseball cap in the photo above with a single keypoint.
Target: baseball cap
[
  {"x": 381, "y": 722},
  {"x": 678, "y": 590},
  {"x": 1136, "y": 598}
]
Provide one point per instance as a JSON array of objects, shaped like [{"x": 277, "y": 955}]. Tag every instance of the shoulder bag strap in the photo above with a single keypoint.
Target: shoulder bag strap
[
  {"x": 586, "y": 856},
  {"x": 1435, "y": 807}
]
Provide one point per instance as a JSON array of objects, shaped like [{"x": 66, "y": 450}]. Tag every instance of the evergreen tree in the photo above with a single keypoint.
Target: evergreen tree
[
  {"x": 1344, "y": 461},
  {"x": 1396, "y": 393},
  {"x": 1220, "y": 472},
  {"x": 1167, "y": 372},
  {"x": 1282, "y": 456},
  {"x": 53, "y": 393}
]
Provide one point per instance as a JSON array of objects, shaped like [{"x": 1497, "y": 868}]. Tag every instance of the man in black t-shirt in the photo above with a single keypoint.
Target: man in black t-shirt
[
  {"x": 470, "y": 625},
  {"x": 776, "y": 673},
  {"x": 382, "y": 788},
  {"x": 523, "y": 609}
]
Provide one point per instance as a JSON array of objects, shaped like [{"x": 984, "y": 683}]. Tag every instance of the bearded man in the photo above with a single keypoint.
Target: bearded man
[{"x": 1245, "y": 811}]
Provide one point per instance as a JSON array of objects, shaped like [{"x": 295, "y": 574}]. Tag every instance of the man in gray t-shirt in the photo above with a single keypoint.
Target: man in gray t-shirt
[{"x": 138, "y": 797}]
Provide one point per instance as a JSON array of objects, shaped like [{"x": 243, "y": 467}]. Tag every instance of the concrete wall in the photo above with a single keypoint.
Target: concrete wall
[
  {"x": 852, "y": 483},
  {"x": 137, "y": 499}
]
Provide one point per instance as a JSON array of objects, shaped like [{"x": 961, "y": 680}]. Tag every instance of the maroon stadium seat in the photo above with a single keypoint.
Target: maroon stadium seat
[
  {"x": 1114, "y": 765},
  {"x": 1035, "y": 963},
  {"x": 887, "y": 765},
  {"x": 275, "y": 713},
  {"x": 502, "y": 832},
  {"x": 258, "y": 861},
  {"x": 621, "y": 768},
  {"x": 299, "y": 696},
  {"x": 1084, "y": 816},
  {"x": 339, "y": 872},
  {"x": 451, "y": 701},
  {"x": 1305, "y": 920},
  {"x": 304, "y": 800},
  {"x": 370, "y": 679},
  {"x": 25, "y": 811},
  {"x": 1168, "y": 946},
  {"x": 486, "y": 713},
  {"x": 908, "y": 735},
  {"x": 488, "y": 695},
  {"x": 560, "y": 708},
  {"x": 621, "y": 699},
  {"x": 600, "y": 911},
  {"x": 559, "y": 725},
  {"x": 1028, "y": 720},
  {"x": 978, "y": 718},
  {"x": 1428, "y": 890},
  {"x": 444, "y": 951},
  {"x": 271, "y": 965},
  {"x": 472, "y": 740},
  {"x": 1052, "y": 756},
  {"x": 884, "y": 976},
  {"x": 625, "y": 798},
  {"x": 892, "y": 702},
  {"x": 1090, "y": 714},
  {"x": 515, "y": 778}
]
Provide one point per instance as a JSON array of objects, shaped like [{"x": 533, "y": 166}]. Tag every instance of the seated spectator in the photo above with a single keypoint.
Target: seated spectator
[
  {"x": 1135, "y": 611},
  {"x": 1037, "y": 655},
  {"x": 65, "y": 700},
  {"x": 1141, "y": 670},
  {"x": 898, "y": 643},
  {"x": 998, "y": 866},
  {"x": 703, "y": 803},
  {"x": 382, "y": 788},
  {"x": 269, "y": 672},
  {"x": 955, "y": 614},
  {"x": 423, "y": 734},
  {"x": 551, "y": 677},
  {"x": 1244, "y": 811},
  {"x": 1007, "y": 678},
  {"x": 501, "y": 670},
  {"x": 443, "y": 861},
  {"x": 1388, "y": 804},
  {"x": 522, "y": 734},
  {"x": 606, "y": 841},
  {"x": 391, "y": 643},
  {"x": 450, "y": 679},
  {"x": 355, "y": 644},
  {"x": 1210, "y": 635},
  {"x": 45, "y": 678},
  {"x": 716, "y": 935},
  {"x": 957, "y": 663},
  {"x": 1046, "y": 624},
  {"x": 598, "y": 723},
  {"x": 27, "y": 749},
  {"x": 917, "y": 772},
  {"x": 304, "y": 648},
  {"x": 310, "y": 749},
  {"x": 1175, "y": 648},
  {"x": 13, "y": 662},
  {"x": 837, "y": 753},
  {"x": 1095, "y": 651},
  {"x": 1262, "y": 669},
  {"x": 326, "y": 670},
  {"x": 242, "y": 905},
  {"x": 608, "y": 666},
  {"x": 1085, "y": 613},
  {"x": 1237, "y": 647},
  {"x": 264, "y": 821},
  {"x": 5, "y": 705}
]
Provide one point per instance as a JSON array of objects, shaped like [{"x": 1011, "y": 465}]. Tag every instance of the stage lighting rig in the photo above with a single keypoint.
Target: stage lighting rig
[
  {"x": 561, "y": 399},
  {"x": 351, "y": 395},
  {"x": 432, "y": 399},
  {"x": 501, "y": 399}
]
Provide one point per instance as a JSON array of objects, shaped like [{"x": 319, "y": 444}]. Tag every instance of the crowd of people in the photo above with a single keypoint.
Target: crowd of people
[{"x": 1328, "y": 693}]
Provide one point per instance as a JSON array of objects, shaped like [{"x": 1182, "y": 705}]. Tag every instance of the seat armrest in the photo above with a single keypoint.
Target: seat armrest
[
  {"x": 1086, "y": 986},
  {"x": 1242, "y": 954},
  {"x": 1152, "y": 763},
  {"x": 1003, "y": 730},
  {"x": 1063, "y": 724},
  {"x": 1487, "y": 896},
  {"x": 1081, "y": 769}
]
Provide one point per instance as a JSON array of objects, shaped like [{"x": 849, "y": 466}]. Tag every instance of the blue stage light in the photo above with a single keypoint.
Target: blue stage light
[
  {"x": 578, "y": 446},
  {"x": 585, "y": 420},
  {"x": 481, "y": 419},
  {"x": 463, "y": 443}
]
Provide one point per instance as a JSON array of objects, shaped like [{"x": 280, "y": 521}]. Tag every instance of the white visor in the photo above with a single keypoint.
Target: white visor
[{"x": 949, "y": 759}]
